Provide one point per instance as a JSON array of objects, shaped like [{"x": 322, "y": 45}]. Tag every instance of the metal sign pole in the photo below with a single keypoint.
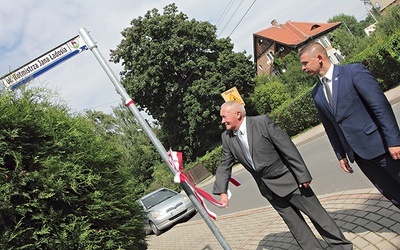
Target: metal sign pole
[{"x": 129, "y": 103}]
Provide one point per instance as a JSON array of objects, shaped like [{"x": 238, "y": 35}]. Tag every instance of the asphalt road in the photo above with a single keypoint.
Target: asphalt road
[{"x": 328, "y": 177}]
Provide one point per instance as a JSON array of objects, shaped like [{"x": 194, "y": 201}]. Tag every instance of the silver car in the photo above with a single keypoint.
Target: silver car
[{"x": 165, "y": 207}]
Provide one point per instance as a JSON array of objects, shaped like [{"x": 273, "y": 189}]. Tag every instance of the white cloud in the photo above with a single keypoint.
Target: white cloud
[{"x": 31, "y": 28}]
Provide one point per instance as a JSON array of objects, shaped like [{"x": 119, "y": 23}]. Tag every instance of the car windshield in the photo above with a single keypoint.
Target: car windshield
[{"x": 157, "y": 198}]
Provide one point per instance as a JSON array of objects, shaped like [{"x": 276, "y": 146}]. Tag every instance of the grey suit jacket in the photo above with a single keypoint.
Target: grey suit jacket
[{"x": 278, "y": 164}]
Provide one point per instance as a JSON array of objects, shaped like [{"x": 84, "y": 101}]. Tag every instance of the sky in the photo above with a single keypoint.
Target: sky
[{"x": 31, "y": 28}]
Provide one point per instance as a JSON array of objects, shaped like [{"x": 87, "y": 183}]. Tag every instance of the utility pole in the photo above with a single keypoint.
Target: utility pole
[
  {"x": 368, "y": 2},
  {"x": 344, "y": 22},
  {"x": 160, "y": 148}
]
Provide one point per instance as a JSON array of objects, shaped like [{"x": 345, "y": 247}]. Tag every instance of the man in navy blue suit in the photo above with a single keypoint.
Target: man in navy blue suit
[{"x": 357, "y": 118}]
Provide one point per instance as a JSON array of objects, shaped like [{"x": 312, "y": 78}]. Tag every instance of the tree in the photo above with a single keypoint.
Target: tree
[
  {"x": 60, "y": 182},
  {"x": 141, "y": 164},
  {"x": 381, "y": 53},
  {"x": 349, "y": 35},
  {"x": 389, "y": 23},
  {"x": 142, "y": 160},
  {"x": 269, "y": 94},
  {"x": 176, "y": 69},
  {"x": 290, "y": 72},
  {"x": 350, "y": 25}
]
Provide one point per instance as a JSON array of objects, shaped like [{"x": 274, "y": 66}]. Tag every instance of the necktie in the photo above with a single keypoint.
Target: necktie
[
  {"x": 245, "y": 147},
  {"x": 327, "y": 89}
]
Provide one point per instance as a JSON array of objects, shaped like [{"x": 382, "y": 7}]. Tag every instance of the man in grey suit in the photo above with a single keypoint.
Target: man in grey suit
[
  {"x": 268, "y": 153},
  {"x": 357, "y": 118}
]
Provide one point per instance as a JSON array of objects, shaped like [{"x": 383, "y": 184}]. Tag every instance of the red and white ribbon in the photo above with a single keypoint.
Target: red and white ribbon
[
  {"x": 129, "y": 102},
  {"x": 176, "y": 160}
]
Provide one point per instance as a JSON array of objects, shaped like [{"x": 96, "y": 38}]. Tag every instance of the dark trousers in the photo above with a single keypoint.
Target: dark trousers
[
  {"x": 304, "y": 200},
  {"x": 384, "y": 173}
]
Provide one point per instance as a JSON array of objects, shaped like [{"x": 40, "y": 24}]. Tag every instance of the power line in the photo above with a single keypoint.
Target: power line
[
  {"x": 242, "y": 18},
  {"x": 221, "y": 18},
  {"x": 228, "y": 7},
  {"x": 233, "y": 14}
]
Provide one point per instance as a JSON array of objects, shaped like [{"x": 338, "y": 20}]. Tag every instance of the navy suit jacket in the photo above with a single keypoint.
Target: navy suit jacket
[
  {"x": 362, "y": 119},
  {"x": 278, "y": 164}
]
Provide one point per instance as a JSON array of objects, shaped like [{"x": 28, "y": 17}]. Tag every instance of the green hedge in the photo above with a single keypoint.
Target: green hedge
[
  {"x": 383, "y": 60},
  {"x": 61, "y": 186},
  {"x": 297, "y": 115},
  {"x": 210, "y": 160}
]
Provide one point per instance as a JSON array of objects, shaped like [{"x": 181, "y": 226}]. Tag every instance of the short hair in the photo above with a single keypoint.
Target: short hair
[
  {"x": 312, "y": 48},
  {"x": 235, "y": 106}
]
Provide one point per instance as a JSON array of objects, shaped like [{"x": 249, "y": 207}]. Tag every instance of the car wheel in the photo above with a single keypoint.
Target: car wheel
[{"x": 155, "y": 229}]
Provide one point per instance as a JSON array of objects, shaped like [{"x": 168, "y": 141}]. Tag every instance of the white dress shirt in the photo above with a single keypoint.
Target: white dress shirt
[{"x": 242, "y": 135}]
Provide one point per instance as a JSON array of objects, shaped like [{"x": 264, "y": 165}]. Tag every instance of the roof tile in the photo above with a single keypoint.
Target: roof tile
[{"x": 294, "y": 33}]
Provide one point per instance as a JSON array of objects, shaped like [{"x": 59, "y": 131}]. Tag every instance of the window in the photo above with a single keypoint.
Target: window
[
  {"x": 338, "y": 56},
  {"x": 270, "y": 56},
  {"x": 315, "y": 26},
  {"x": 325, "y": 42}
]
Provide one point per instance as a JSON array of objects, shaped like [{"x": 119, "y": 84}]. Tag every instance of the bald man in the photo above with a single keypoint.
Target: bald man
[{"x": 357, "y": 118}]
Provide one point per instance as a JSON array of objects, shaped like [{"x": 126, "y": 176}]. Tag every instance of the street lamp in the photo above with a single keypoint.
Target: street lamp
[{"x": 368, "y": 2}]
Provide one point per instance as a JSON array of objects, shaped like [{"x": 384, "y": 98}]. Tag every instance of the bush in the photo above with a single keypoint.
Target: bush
[
  {"x": 163, "y": 178},
  {"x": 270, "y": 95},
  {"x": 211, "y": 159},
  {"x": 383, "y": 60},
  {"x": 297, "y": 115},
  {"x": 61, "y": 187}
]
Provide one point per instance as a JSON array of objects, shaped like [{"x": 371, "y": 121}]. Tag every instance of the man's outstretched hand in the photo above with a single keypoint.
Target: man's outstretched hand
[{"x": 223, "y": 199}]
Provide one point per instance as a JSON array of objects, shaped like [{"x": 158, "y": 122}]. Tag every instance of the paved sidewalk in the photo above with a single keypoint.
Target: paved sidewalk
[{"x": 366, "y": 218}]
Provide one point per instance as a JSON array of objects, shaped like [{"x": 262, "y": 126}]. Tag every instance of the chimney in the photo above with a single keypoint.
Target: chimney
[{"x": 275, "y": 23}]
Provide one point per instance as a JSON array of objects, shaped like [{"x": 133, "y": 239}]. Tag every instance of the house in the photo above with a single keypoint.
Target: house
[
  {"x": 370, "y": 29},
  {"x": 381, "y": 5},
  {"x": 281, "y": 39}
]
